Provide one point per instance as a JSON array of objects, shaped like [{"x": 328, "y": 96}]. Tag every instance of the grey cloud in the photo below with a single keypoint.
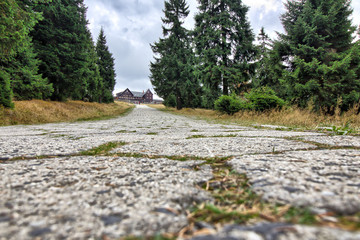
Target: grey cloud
[
  {"x": 131, "y": 6},
  {"x": 270, "y": 21}
]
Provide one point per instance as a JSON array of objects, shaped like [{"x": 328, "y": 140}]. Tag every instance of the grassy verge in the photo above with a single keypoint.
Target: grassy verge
[
  {"x": 37, "y": 111},
  {"x": 290, "y": 117}
]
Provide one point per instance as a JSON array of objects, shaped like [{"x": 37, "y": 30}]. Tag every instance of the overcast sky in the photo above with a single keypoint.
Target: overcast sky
[{"x": 131, "y": 25}]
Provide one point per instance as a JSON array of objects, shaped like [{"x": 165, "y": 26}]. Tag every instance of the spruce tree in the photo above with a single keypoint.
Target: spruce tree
[
  {"x": 264, "y": 47},
  {"x": 323, "y": 62},
  {"x": 224, "y": 43},
  {"x": 106, "y": 67},
  {"x": 26, "y": 83},
  {"x": 270, "y": 66},
  {"x": 17, "y": 20},
  {"x": 95, "y": 83},
  {"x": 5, "y": 90},
  {"x": 18, "y": 63},
  {"x": 61, "y": 42},
  {"x": 172, "y": 72}
]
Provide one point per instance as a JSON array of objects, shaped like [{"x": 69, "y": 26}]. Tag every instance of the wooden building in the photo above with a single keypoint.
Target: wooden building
[{"x": 135, "y": 97}]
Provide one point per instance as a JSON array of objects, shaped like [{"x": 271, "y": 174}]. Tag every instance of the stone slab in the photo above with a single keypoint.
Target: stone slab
[
  {"x": 340, "y": 141},
  {"x": 213, "y": 147},
  {"x": 326, "y": 179},
  {"x": 279, "y": 231},
  {"x": 93, "y": 197}
]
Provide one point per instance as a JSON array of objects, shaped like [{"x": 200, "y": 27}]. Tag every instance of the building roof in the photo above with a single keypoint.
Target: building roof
[
  {"x": 134, "y": 93},
  {"x": 138, "y": 94}
]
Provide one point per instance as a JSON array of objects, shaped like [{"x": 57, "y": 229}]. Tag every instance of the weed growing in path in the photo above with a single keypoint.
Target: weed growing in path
[{"x": 102, "y": 149}]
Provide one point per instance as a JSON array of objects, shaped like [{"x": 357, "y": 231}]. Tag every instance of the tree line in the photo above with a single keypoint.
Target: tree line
[
  {"x": 47, "y": 52},
  {"x": 315, "y": 61}
]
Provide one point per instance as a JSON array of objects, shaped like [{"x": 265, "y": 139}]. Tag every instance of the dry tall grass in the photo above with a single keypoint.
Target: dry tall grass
[
  {"x": 37, "y": 111},
  {"x": 290, "y": 117}
]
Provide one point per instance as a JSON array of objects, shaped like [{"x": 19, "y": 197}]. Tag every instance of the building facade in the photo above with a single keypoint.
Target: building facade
[{"x": 135, "y": 97}]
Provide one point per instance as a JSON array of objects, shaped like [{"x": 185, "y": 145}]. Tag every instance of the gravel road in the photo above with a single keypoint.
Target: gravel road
[{"x": 49, "y": 190}]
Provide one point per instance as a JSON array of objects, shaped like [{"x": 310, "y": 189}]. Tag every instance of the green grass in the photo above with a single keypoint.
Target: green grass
[
  {"x": 126, "y": 131},
  {"x": 214, "y": 136},
  {"x": 102, "y": 149},
  {"x": 152, "y": 133}
]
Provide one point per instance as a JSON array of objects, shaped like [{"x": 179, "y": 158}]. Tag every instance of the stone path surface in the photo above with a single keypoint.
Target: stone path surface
[{"x": 64, "y": 195}]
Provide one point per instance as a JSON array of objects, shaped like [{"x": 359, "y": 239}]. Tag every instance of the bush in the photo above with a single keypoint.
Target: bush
[
  {"x": 264, "y": 98},
  {"x": 229, "y": 104}
]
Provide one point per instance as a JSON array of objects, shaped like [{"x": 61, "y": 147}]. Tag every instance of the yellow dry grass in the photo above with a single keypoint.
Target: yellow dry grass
[
  {"x": 37, "y": 111},
  {"x": 290, "y": 117}
]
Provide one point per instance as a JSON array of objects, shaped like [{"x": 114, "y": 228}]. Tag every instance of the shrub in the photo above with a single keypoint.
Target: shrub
[
  {"x": 264, "y": 98},
  {"x": 229, "y": 104}
]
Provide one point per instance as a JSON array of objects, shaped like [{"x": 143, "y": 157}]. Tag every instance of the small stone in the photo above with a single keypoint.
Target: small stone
[
  {"x": 327, "y": 193},
  {"x": 39, "y": 232}
]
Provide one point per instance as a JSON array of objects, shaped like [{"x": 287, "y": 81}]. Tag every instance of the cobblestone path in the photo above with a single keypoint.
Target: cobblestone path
[{"x": 50, "y": 189}]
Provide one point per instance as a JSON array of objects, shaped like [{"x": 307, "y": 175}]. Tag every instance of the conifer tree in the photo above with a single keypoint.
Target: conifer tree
[
  {"x": 261, "y": 76},
  {"x": 95, "y": 83},
  {"x": 106, "y": 67},
  {"x": 60, "y": 40},
  {"x": 172, "y": 71},
  {"x": 5, "y": 90},
  {"x": 18, "y": 63},
  {"x": 269, "y": 63},
  {"x": 26, "y": 83},
  {"x": 224, "y": 43},
  {"x": 323, "y": 61}
]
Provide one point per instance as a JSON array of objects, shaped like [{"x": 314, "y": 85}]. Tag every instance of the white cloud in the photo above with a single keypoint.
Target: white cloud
[{"x": 265, "y": 5}]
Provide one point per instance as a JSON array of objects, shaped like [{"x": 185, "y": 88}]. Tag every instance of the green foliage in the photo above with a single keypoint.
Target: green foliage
[
  {"x": 270, "y": 66},
  {"x": 170, "y": 101},
  {"x": 5, "y": 90},
  {"x": 103, "y": 149},
  {"x": 324, "y": 64},
  {"x": 19, "y": 66},
  {"x": 224, "y": 44},
  {"x": 95, "y": 83},
  {"x": 229, "y": 104},
  {"x": 17, "y": 20},
  {"x": 264, "y": 98},
  {"x": 209, "y": 96},
  {"x": 259, "y": 99},
  {"x": 64, "y": 47},
  {"x": 172, "y": 72},
  {"x": 107, "y": 96},
  {"x": 300, "y": 215},
  {"x": 61, "y": 41},
  {"x": 26, "y": 83},
  {"x": 106, "y": 68},
  {"x": 344, "y": 130}
]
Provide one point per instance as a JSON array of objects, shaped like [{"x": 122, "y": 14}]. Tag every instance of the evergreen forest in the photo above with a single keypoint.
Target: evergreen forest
[
  {"x": 221, "y": 64},
  {"x": 47, "y": 52}
]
